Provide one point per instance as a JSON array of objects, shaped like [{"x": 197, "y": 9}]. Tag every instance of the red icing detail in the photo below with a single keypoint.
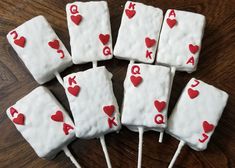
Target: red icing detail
[
  {"x": 160, "y": 105},
  {"x": 130, "y": 13},
  {"x": 190, "y": 60},
  {"x": 172, "y": 13},
  {"x": 66, "y": 128},
  {"x": 61, "y": 52},
  {"x": 193, "y": 93},
  {"x": 54, "y": 44},
  {"x": 131, "y": 5},
  {"x": 148, "y": 54},
  {"x": 19, "y": 119},
  {"x": 193, "y": 48},
  {"x": 112, "y": 122},
  {"x": 159, "y": 119},
  {"x": 20, "y": 42},
  {"x": 109, "y": 110},
  {"x": 205, "y": 137},
  {"x": 196, "y": 83},
  {"x": 149, "y": 42},
  {"x": 72, "y": 80},
  {"x": 104, "y": 38},
  {"x": 13, "y": 111},
  {"x": 73, "y": 9},
  {"x": 58, "y": 116},
  {"x": 106, "y": 51},
  {"x": 74, "y": 90},
  {"x": 136, "y": 80},
  {"x": 15, "y": 34},
  {"x": 135, "y": 69},
  {"x": 171, "y": 22},
  {"x": 207, "y": 126},
  {"x": 76, "y": 19}
]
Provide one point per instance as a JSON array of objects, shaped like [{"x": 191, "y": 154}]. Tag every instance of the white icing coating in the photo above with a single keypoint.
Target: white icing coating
[
  {"x": 186, "y": 120},
  {"x": 138, "y": 104},
  {"x": 96, "y": 91},
  {"x": 84, "y": 37},
  {"x": 45, "y": 135},
  {"x": 174, "y": 42},
  {"x": 146, "y": 22},
  {"x": 41, "y": 60}
]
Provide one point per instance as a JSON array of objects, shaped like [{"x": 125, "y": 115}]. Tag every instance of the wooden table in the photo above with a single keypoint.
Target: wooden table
[{"x": 216, "y": 66}]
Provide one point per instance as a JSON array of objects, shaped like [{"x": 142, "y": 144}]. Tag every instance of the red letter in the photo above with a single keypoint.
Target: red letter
[
  {"x": 112, "y": 122},
  {"x": 66, "y": 128},
  {"x": 172, "y": 13},
  {"x": 135, "y": 69},
  {"x": 61, "y": 52},
  {"x": 72, "y": 80},
  {"x": 106, "y": 51},
  {"x": 196, "y": 83},
  {"x": 159, "y": 119},
  {"x": 205, "y": 137},
  {"x": 73, "y": 9},
  {"x": 13, "y": 111},
  {"x": 15, "y": 34},
  {"x": 148, "y": 54},
  {"x": 131, "y": 5},
  {"x": 190, "y": 60}
]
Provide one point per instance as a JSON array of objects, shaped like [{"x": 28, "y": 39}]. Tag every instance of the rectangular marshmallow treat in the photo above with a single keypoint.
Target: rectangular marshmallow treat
[
  {"x": 43, "y": 122},
  {"x": 180, "y": 40},
  {"x": 39, "y": 48},
  {"x": 197, "y": 113},
  {"x": 90, "y": 31},
  {"x": 146, "y": 96},
  {"x": 139, "y": 32},
  {"x": 92, "y": 102}
]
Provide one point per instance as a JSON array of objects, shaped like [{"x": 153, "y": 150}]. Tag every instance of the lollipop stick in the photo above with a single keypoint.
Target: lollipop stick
[
  {"x": 141, "y": 131},
  {"x": 102, "y": 141},
  {"x": 58, "y": 77},
  {"x": 181, "y": 144},
  {"x": 161, "y": 137},
  {"x": 132, "y": 61},
  {"x": 68, "y": 153},
  {"x": 94, "y": 64}
]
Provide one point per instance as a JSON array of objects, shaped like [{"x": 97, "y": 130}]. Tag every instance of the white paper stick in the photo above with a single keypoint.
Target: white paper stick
[
  {"x": 94, "y": 64},
  {"x": 181, "y": 144},
  {"x": 106, "y": 154},
  {"x": 140, "y": 147},
  {"x": 73, "y": 160},
  {"x": 58, "y": 77},
  {"x": 172, "y": 79},
  {"x": 161, "y": 137},
  {"x": 132, "y": 61}
]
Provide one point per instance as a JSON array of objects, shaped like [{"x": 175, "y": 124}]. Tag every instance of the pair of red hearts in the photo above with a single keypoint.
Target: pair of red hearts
[
  {"x": 20, "y": 119},
  {"x": 104, "y": 38}
]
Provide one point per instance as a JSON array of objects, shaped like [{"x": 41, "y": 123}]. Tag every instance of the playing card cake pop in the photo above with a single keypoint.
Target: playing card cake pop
[
  {"x": 44, "y": 123},
  {"x": 146, "y": 87},
  {"x": 138, "y": 33},
  {"x": 196, "y": 115},
  {"x": 40, "y": 49},
  {"x": 90, "y": 31},
  {"x": 180, "y": 40},
  {"x": 90, "y": 93}
]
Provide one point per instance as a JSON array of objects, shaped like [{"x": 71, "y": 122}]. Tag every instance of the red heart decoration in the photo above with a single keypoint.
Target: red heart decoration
[
  {"x": 193, "y": 93},
  {"x": 193, "y": 48},
  {"x": 207, "y": 126},
  {"x": 171, "y": 22},
  {"x": 149, "y": 42},
  {"x": 19, "y": 119},
  {"x": 104, "y": 38},
  {"x": 20, "y": 42},
  {"x": 130, "y": 13},
  {"x": 74, "y": 90},
  {"x": 76, "y": 19},
  {"x": 160, "y": 105},
  {"x": 136, "y": 80},
  {"x": 109, "y": 110},
  {"x": 58, "y": 116},
  {"x": 54, "y": 44}
]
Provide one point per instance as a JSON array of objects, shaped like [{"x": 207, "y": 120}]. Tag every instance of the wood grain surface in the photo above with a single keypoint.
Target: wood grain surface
[{"x": 216, "y": 67}]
